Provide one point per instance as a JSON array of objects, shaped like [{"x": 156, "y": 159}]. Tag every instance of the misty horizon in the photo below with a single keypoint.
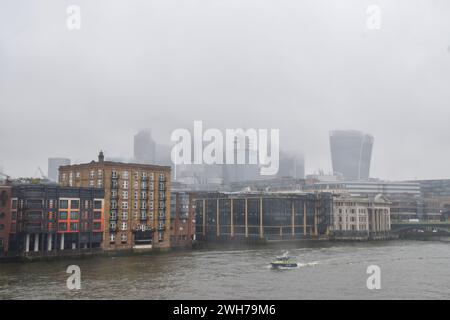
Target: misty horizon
[{"x": 297, "y": 67}]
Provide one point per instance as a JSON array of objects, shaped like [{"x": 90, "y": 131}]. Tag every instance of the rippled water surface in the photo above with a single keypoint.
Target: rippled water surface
[{"x": 409, "y": 270}]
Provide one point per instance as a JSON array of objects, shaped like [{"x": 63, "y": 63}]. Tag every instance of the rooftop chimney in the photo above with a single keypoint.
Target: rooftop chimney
[{"x": 101, "y": 157}]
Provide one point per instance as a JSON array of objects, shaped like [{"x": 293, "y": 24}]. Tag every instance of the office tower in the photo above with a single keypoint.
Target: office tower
[
  {"x": 144, "y": 148},
  {"x": 53, "y": 166},
  {"x": 291, "y": 166},
  {"x": 351, "y": 152}
]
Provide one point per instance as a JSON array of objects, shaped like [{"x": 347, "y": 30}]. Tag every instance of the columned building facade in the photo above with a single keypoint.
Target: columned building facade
[
  {"x": 258, "y": 215},
  {"x": 365, "y": 217}
]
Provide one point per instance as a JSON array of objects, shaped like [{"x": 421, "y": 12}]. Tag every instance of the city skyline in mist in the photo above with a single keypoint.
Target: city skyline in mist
[{"x": 161, "y": 65}]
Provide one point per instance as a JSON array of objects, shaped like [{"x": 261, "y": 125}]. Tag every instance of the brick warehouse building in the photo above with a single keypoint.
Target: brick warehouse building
[
  {"x": 47, "y": 220},
  {"x": 258, "y": 215},
  {"x": 182, "y": 222},
  {"x": 137, "y": 201},
  {"x": 5, "y": 219}
]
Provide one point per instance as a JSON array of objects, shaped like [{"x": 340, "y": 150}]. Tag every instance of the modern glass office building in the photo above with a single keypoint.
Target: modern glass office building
[{"x": 351, "y": 152}]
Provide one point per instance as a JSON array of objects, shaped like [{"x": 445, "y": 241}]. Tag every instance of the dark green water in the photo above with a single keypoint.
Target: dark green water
[{"x": 409, "y": 270}]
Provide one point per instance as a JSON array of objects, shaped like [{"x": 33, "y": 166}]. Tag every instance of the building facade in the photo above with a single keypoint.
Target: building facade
[
  {"x": 137, "y": 201},
  {"x": 364, "y": 188},
  {"x": 351, "y": 153},
  {"x": 5, "y": 219},
  {"x": 361, "y": 217},
  {"x": 46, "y": 220},
  {"x": 182, "y": 222},
  {"x": 262, "y": 215}
]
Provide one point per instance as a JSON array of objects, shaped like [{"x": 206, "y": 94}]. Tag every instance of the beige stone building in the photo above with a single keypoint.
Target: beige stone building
[
  {"x": 137, "y": 201},
  {"x": 361, "y": 216}
]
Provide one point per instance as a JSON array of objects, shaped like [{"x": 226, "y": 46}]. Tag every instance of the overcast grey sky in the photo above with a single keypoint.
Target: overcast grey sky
[{"x": 303, "y": 66}]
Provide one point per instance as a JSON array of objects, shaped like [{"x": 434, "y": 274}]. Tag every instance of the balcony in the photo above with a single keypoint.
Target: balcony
[{"x": 33, "y": 228}]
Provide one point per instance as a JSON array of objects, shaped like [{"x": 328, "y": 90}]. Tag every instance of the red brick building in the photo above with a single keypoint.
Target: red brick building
[{"x": 5, "y": 218}]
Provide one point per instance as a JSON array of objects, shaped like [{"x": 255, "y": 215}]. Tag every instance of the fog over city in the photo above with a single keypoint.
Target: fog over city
[{"x": 294, "y": 65}]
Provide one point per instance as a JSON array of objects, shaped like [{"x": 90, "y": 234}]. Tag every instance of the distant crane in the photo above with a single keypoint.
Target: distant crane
[
  {"x": 43, "y": 176},
  {"x": 8, "y": 178}
]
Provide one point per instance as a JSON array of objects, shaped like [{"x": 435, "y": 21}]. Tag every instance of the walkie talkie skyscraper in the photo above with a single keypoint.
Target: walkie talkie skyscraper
[{"x": 351, "y": 152}]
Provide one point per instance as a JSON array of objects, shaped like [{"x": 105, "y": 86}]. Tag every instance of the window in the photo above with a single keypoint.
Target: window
[
  {"x": 114, "y": 174},
  {"x": 74, "y": 215},
  {"x": 73, "y": 226},
  {"x": 92, "y": 174},
  {"x": 64, "y": 204},
  {"x": 62, "y": 215},
  {"x": 143, "y": 205},
  {"x": 113, "y": 205},
  {"x": 124, "y": 226},
  {"x": 74, "y": 204},
  {"x": 135, "y": 205},
  {"x": 99, "y": 183},
  {"x": 62, "y": 226},
  {"x": 97, "y": 215},
  {"x": 91, "y": 183},
  {"x": 112, "y": 225},
  {"x": 97, "y": 204},
  {"x": 143, "y": 185},
  {"x": 14, "y": 204},
  {"x": 144, "y": 195},
  {"x": 2, "y": 226},
  {"x": 136, "y": 185},
  {"x": 113, "y": 215},
  {"x": 99, "y": 173},
  {"x": 2, "y": 215},
  {"x": 78, "y": 175},
  {"x": 124, "y": 215},
  {"x": 125, "y": 194},
  {"x": 112, "y": 238},
  {"x": 125, "y": 175},
  {"x": 123, "y": 237},
  {"x": 97, "y": 225},
  {"x": 124, "y": 205},
  {"x": 124, "y": 184}
]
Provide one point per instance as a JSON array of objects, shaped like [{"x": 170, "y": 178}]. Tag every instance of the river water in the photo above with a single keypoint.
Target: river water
[{"x": 409, "y": 270}]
